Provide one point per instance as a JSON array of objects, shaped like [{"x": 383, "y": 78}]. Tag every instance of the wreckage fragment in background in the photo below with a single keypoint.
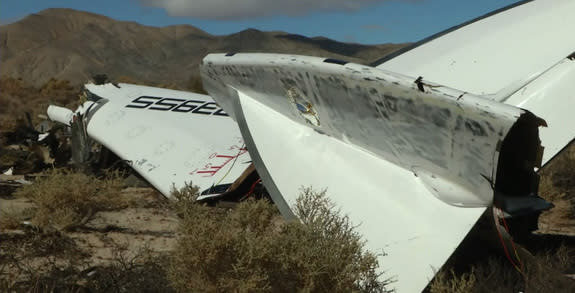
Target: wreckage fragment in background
[{"x": 27, "y": 148}]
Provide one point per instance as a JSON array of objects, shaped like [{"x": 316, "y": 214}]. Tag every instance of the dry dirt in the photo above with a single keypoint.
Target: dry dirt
[{"x": 147, "y": 223}]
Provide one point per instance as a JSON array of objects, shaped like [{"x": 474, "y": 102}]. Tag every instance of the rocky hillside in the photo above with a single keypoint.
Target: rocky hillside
[{"x": 73, "y": 45}]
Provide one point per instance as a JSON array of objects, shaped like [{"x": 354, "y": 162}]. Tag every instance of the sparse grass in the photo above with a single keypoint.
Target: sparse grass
[
  {"x": 558, "y": 183},
  {"x": 38, "y": 262},
  {"x": 65, "y": 200},
  {"x": 144, "y": 271},
  {"x": 48, "y": 260},
  {"x": 10, "y": 220},
  {"x": 450, "y": 282},
  {"x": 543, "y": 273},
  {"x": 51, "y": 262},
  {"x": 251, "y": 248},
  {"x": 18, "y": 97}
]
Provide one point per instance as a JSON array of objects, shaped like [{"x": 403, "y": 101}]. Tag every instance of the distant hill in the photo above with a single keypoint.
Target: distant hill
[{"x": 73, "y": 45}]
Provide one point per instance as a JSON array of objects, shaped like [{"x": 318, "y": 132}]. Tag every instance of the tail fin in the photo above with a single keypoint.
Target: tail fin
[{"x": 552, "y": 97}]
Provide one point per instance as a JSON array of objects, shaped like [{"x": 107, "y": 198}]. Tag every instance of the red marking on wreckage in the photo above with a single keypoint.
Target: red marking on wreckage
[{"x": 210, "y": 169}]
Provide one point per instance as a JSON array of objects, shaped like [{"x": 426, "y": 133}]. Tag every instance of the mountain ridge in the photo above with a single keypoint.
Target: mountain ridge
[{"x": 69, "y": 44}]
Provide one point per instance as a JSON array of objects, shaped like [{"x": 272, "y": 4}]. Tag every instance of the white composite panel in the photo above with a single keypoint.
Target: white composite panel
[
  {"x": 385, "y": 150},
  {"x": 446, "y": 137},
  {"x": 168, "y": 148},
  {"x": 502, "y": 51},
  {"x": 517, "y": 56},
  {"x": 394, "y": 211},
  {"x": 552, "y": 97}
]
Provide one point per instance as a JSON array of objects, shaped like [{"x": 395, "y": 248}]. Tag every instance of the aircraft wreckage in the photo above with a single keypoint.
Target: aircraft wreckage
[{"x": 413, "y": 149}]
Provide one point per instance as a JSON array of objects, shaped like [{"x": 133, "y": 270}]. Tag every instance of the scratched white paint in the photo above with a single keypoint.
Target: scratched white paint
[
  {"x": 443, "y": 132},
  {"x": 392, "y": 208},
  {"x": 517, "y": 56},
  {"x": 384, "y": 149}
]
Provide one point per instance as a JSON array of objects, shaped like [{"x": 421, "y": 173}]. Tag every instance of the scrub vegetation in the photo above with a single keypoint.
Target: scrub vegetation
[
  {"x": 558, "y": 186},
  {"x": 552, "y": 269},
  {"x": 65, "y": 199},
  {"x": 18, "y": 97},
  {"x": 542, "y": 273},
  {"x": 246, "y": 248},
  {"x": 251, "y": 248}
]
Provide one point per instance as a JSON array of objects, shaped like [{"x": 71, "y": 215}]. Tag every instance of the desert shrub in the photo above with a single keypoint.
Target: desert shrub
[
  {"x": 558, "y": 179},
  {"x": 543, "y": 273},
  {"x": 11, "y": 85},
  {"x": 18, "y": 96},
  {"x": 144, "y": 271},
  {"x": 453, "y": 283},
  {"x": 126, "y": 79},
  {"x": 251, "y": 248},
  {"x": 557, "y": 185},
  {"x": 195, "y": 85},
  {"x": 52, "y": 262},
  {"x": 55, "y": 86},
  {"x": 65, "y": 200},
  {"x": 38, "y": 262},
  {"x": 9, "y": 220},
  {"x": 56, "y": 277}
]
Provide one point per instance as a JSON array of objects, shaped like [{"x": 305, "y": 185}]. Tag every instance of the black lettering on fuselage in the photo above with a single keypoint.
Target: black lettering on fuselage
[
  {"x": 142, "y": 102},
  {"x": 165, "y": 105},
  {"x": 188, "y": 106},
  {"x": 220, "y": 112},
  {"x": 177, "y": 105},
  {"x": 206, "y": 109}
]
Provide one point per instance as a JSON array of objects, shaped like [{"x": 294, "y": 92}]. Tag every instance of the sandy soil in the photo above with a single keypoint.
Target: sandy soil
[{"x": 146, "y": 224}]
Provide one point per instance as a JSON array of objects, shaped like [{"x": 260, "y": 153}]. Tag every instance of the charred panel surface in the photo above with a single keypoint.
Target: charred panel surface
[{"x": 443, "y": 131}]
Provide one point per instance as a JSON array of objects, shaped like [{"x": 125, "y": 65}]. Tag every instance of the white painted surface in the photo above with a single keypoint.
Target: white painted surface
[
  {"x": 520, "y": 52},
  {"x": 389, "y": 155},
  {"x": 168, "y": 148},
  {"x": 60, "y": 114},
  {"x": 394, "y": 211},
  {"x": 551, "y": 96},
  {"x": 451, "y": 135},
  {"x": 508, "y": 48}
]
